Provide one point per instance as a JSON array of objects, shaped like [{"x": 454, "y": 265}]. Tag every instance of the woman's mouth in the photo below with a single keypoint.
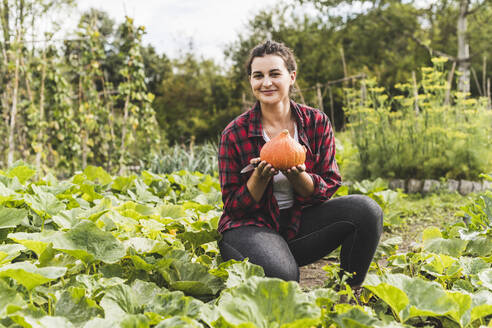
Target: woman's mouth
[{"x": 267, "y": 92}]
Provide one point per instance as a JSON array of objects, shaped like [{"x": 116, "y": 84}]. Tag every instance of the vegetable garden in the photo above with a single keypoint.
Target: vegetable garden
[{"x": 97, "y": 250}]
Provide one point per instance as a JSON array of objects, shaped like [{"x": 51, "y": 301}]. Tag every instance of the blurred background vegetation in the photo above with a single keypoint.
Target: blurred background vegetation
[{"x": 405, "y": 84}]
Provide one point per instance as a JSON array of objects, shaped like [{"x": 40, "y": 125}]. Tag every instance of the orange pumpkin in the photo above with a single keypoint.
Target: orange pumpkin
[{"x": 283, "y": 152}]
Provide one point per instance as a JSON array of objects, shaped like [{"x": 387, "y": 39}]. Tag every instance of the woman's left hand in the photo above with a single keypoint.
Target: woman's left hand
[{"x": 294, "y": 171}]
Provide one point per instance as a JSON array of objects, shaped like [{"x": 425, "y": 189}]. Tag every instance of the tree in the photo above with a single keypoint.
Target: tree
[{"x": 462, "y": 10}]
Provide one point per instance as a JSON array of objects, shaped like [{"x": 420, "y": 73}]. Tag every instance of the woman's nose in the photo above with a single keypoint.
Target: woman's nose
[{"x": 267, "y": 82}]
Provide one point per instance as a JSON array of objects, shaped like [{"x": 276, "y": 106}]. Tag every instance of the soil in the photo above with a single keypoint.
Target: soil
[{"x": 313, "y": 275}]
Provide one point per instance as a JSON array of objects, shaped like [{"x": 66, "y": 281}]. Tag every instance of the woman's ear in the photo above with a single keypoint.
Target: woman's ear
[{"x": 293, "y": 75}]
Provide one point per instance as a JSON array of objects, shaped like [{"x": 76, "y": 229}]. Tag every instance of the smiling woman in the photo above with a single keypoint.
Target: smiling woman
[{"x": 283, "y": 218}]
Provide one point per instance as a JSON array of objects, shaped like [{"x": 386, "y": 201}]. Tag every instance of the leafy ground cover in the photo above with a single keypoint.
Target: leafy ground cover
[{"x": 98, "y": 250}]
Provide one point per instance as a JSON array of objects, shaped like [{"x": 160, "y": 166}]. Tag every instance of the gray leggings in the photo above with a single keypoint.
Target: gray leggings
[{"x": 354, "y": 221}]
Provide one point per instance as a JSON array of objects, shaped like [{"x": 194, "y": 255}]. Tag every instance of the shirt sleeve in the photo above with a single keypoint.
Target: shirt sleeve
[
  {"x": 326, "y": 176},
  {"x": 238, "y": 201}
]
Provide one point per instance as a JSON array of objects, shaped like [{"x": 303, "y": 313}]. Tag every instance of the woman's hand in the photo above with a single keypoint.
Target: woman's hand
[
  {"x": 263, "y": 170},
  {"x": 294, "y": 171},
  {"x": 260, "y": 178},
  {"x": 300, "y": 180}
]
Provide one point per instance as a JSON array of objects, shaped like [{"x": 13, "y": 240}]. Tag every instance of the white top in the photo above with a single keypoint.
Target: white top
[{"x": 282, "y": 189}]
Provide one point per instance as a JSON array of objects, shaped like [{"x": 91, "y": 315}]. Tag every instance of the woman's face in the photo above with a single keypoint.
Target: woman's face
[{"x": 270, "y": 80}]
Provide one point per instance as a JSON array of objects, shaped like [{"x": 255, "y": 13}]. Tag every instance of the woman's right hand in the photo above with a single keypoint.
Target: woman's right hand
[
  {"x": 260, "y": 178},
  {"x": 263, "y": 170}
]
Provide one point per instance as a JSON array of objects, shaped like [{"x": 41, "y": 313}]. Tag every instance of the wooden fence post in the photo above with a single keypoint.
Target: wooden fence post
[
  {"x": 320, "y": 97},
  {"x": 450, "y": 84},
  {"x": 332, "y": 109},
  {"x": 415, "y": 93}
]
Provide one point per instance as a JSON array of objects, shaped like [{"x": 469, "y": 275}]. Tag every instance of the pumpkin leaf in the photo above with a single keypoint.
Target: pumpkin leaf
[
  {"x": 30, "y": 276},
  {"x": 267, "y": 303}
]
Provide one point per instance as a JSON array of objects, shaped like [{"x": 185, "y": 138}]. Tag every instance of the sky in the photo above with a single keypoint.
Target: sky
[{"x": 171, "y": 24}]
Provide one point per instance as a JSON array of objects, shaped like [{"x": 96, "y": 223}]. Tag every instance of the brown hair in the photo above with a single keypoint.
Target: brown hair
[{"x": 270, "y": 47}]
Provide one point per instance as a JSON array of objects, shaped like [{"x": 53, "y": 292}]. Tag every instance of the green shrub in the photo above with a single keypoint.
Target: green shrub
[{"x": 419, "y": 135}]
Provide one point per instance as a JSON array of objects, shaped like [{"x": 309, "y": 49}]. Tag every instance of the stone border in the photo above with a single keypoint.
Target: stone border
[{"x": 464, "y": 187}]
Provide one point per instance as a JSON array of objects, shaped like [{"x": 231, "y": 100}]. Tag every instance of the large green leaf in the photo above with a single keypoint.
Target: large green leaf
[
  {"x": 143, "y": 195},
  {"x": 134, "y": 321},
  {"x": 173, "y": 304},
  {"x": 391, "y": 295},
  {"x": 179, "y": 322},
  {"x": 355, "y": 318},
  {"x": 451, "y": 247},
  {"x": 12, "y": 217},
  {"x": 120, "y": 300},
  {"x": 74, "y": 305},
  {"x": 425, "y": 298},
  {"x": 238, "y": 273},
  {"x": 87, "y": 242},
  {"x": 30, "y": 276},
  {"x": 267, "y": 303},
  {"x": 145, "y": 245},
  {"x": 36, "y": 241},
  {"x": 129, "y": 302},
  {"x": 486, "y": 278},
  {"x": 193, "y": 239},
  {"x": 7, "y": 194},
  {"x": 472, "y": 265},
  {"x": 48, "y": 322},
  {"x": 8, "y": 252},
  {"x": 43, "y": 203},
  {"x": 10, "y": 300},
  {"x": 460, "y": 314},
  {"x": 99, "y": 323},
  {"x": 481, "y": 305},
  {"x": 84, "y": 241},
  {"x": 95, "y": 284},
  {"x": 172, "y": 211},
  {"x": 480, "y": 246},
  {"x": 22, "y": 172},
  {"x": 191, "y": 278},
  {"x": 97, "y": 174}
]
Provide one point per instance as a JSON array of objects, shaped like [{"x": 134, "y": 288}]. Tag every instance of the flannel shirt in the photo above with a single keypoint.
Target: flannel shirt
[{"x": 242, "y": 141}]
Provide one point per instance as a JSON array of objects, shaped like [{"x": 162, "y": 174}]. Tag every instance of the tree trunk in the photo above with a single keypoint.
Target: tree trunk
[
  {"x": 13, "y": 109},
  {"x": 5, "y": 13},
  {"x": 463, "y": 49},
  {"x": 39, "y": 143}
]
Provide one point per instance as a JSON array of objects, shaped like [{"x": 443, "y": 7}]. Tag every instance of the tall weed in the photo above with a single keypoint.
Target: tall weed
[{"x": 417, "y": 134}]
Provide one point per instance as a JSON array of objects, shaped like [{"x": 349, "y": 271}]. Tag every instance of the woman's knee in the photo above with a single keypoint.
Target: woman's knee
[
  {"x": 286, "y": 272},
  {"x": 262, "y": 247},
  {"x": 370, "y": 211}
]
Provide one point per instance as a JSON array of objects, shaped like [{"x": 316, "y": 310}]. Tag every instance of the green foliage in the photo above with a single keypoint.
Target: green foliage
[
  {"x": 141, "y": 250},
  {"x": 419, "y": 135},
  {"x": 195, "y": 101}
]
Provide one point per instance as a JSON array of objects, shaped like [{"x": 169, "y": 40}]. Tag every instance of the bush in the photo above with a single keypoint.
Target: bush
[{"x": 419, "y": 134}]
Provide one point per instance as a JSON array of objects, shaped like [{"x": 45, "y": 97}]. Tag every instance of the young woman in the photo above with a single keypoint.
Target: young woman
[{"x": 283, "y": 220}]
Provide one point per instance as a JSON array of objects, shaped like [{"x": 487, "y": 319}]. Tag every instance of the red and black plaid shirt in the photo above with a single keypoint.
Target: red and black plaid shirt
[{"x": 242, "y": 140}]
